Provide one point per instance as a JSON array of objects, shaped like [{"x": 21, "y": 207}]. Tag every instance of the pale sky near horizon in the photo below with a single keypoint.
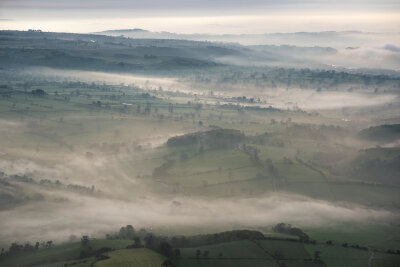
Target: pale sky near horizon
[{"x": 205, "y": 16}]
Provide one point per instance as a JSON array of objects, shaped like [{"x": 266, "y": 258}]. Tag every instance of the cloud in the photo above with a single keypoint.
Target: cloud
[{"x": 184, "y": 4}]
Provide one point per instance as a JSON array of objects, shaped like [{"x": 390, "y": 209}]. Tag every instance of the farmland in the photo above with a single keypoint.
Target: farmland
[{"x": 97, "y": 132}]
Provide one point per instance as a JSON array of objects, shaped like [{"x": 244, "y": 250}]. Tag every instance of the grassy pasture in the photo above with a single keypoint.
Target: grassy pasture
[
  {"x": 60, "y": 253},
  {"x": 140, "y": 257},
  {"x": 288, "y": 250},
  {"x": 238, "y": 253},
  {"x": 376, "y": 235},
  {"x": 247, "y": 253}
]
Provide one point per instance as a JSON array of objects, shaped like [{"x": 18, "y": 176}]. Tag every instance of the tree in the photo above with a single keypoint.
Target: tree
[
  {"x": 317, "y": 255},
  {"x": 127, "y": 232},
  {"x": 198, "y": 253},
  {"x": 278, "y": 255},
  {"x": 201, "y": 149},
  {"x": 38, "y": 92},
  {"x": 167, "y": 263},
  {"x": 165, "y": 249},
  {"x": 49, "y": 243},
  {"x": 149, "y": 240},
  {"x": 177, "y": 252},
  {"x": 147, "y": 110},
  {"x": 84, "y": 240},
  {"x": 288, "y": 229},
  {"x": 138, "y": 243},
  {"x": 206, "y": 253},
  {"x": 171, "y": 108}
]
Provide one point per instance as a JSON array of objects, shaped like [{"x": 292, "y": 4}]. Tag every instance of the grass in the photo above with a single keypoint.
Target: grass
[
  {"x": 289, "y": 250},
  {"x": 238, "y": 253},
  {"x": 382, "y": 236},
  {"x": 140, "y": 257},
  {"x": 213, "y": 167},
  {"x": 87, "y": 262},
  {"x": 215, "y": 173},
  {"x": 60, "y": 253},
  {"x": 236, "y": 249},
  {"x": 340, "y": 257},
  {"x": 225, "y": 263},
  {"x": 247, "y": 253}
]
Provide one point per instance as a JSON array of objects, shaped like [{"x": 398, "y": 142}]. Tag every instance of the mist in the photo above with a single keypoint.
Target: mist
[
  {"x": 96, "y": 216},
  {"x": 196, "y": 131}
]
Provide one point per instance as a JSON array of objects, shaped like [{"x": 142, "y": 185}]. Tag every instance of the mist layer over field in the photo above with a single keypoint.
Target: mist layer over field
[
  {"x": 97, "y": 216},
  {"x": 116, "y": 194},
  {"x": 188, "y": 137},
  {"x": 125, "y": 199},
  {"x": 276, "y": 97}
]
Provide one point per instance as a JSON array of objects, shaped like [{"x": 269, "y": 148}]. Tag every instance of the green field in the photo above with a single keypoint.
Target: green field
[
  {"x": 140, "y": 257},
  {"x": 61, "y": 253},
  {"x": 97, "y": 132}
]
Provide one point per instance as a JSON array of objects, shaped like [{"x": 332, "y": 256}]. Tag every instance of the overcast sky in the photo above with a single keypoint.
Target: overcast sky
[{"x": 201, "y": 16}]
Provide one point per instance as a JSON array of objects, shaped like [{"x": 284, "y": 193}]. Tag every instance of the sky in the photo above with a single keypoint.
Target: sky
[{"x": 205, "y": 16}]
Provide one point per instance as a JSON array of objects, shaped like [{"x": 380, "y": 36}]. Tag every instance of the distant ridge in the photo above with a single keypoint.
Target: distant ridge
[
  {"x": 340, "y": 39},
  {"x": 126, "y": 30}
]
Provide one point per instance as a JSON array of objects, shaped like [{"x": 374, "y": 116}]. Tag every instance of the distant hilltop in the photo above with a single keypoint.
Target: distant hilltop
[
  {"x": 337, "y": 39},
  {"x": 126, "y": 30}
]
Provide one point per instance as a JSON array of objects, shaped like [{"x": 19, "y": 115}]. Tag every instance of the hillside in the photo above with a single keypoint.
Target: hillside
[{"x": 386, "y": 133}]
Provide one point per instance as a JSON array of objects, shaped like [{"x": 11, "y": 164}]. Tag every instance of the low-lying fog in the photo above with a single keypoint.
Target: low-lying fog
[
  {"x": 145, "y": 82},
  {"x": 283, "y": 98},
  {"x": 177, "y": 215},
  {"x": 122, "y": 196},
  {"x": 126, "y": 199}
]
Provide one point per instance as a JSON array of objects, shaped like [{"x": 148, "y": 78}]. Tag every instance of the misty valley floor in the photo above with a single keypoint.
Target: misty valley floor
[{"x": 155, "y": 134}]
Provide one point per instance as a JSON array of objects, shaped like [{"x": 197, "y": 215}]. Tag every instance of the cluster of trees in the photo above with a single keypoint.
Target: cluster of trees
[
  {"x": 288, "y": 229},
  {"x": 266, "y": 166},
  {"x": 143, "y": 238},
  {"x": 346, "y": 245},
  {"x": 16, "y": 248},
  {"x": 205, "y": 254},
  {"x": 73, "y": 187},
  {"x": 209, "y": 239},
  {"x": 245, "y": 99},
  {"x": 13, "y": 194},
  {"x": 294, "y": 78},
  {"x": 128, "y": 232},
  {"x": 157, "y": 242},
  {"x": 392, "y": 251},
  {"x": 38, "y": 92},
  {"x": 46, "y": 182},
  {"x": 169, "y": 246}
]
